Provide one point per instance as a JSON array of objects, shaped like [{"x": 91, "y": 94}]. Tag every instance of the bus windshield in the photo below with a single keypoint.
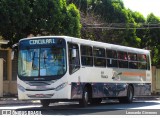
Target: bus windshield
[{"x": 42, "y": 62}]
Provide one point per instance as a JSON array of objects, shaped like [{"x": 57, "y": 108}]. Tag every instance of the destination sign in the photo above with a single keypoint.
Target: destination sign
[
  {"x": 41, "y": 41},
  {"x": 33, "y": 43}
]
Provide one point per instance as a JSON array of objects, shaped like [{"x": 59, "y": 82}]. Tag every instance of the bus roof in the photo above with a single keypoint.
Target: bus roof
[{"x": 96, "y": 44}]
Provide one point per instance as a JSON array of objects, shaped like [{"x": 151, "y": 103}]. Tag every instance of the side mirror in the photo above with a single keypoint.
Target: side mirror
[
  {"x": 14, "y": 48},
  {"x": 74, "y": 53},
  {"x": 12, "y": 55}
]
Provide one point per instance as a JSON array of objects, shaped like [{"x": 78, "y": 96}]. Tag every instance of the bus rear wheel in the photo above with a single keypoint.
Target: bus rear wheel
[
  {"x": 85, "y": 98},
  {"x": 129, "y": 97},
  {"x": 45, "y": 103}
]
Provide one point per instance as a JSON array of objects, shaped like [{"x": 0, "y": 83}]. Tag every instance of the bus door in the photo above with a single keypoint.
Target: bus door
[{"x": 74, "y": 66}]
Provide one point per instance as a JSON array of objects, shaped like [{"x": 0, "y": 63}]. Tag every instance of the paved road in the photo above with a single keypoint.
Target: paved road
[{"x": 107, "y": 107}]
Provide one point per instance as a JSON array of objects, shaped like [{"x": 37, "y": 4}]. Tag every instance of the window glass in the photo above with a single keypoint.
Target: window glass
[
  {"x": 73, "y": 55},
  {"x": 142, "y": 61},
  {"x": 142, "y": 57},
  {"x": 100, "y": 62},
  {"x": 52, "y": 61},
  {"x": 99, "y": 57},
  {"x": 122, "y": 60},
  {"x": 133, "y": 65},
  {"x": 132, "y": 57},
  {"x": 111, "y": 58},
  {"x": 142, "y": 65},
  {"x": 86, "y": 50},
  {"x": 111, "y": 54},
  {"x": 99, "y": 52},
  {"x": 122, "y": 55},
  {"x": 25, "y": 60},
  {"x": 42, "y": 62},
  {"x": 86, "y": 55}
]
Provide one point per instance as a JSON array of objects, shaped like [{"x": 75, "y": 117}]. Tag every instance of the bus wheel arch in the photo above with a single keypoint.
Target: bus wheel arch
[
  {"x": 130, "y": 93},
  {"x": 86, "y": 95},
  {"x": 129, "y": 96},
  {"x": 131, "y": 85}
]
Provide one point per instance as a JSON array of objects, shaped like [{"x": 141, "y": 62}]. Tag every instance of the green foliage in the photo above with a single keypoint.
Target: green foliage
[
  {"x": 151, "y": 18},
  {"x": 14, "y": 17},
  {"x": 72, "y": 24},
  {"x": 140, "y": 33},
  {"x": 81, "y": 4},
  {"x": 114, "y": 14},
  {"x": 20, "y": 18},
  {"x": 154, "y": 38}
]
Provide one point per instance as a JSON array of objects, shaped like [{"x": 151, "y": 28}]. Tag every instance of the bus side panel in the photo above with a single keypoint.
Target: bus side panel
[
  {"x": 121, "y": 89},
  {"x": 142, "y": 89},
  {"x": 76, "y": 90},
  {"x": 99, "y": 90}
]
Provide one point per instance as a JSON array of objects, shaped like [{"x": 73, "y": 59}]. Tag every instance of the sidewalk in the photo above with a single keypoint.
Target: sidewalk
[{"x": 148, "y": 97}]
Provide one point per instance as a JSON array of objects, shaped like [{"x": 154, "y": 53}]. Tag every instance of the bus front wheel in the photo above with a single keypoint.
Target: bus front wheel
[
  {"x": 45, "y": 103},
  {"x": 85, "y": 98}
]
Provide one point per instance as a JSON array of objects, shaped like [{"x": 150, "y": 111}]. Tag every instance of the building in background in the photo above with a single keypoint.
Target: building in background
[{"x": 9, "y": 70}]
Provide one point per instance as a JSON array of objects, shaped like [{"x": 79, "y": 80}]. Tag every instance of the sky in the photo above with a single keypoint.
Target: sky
[{"x": 145, "y": 7}]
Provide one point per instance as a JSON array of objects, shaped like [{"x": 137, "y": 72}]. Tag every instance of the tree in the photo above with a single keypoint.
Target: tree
[
  {"x": 140, "y": 21},
  {"x": 117, "y": 16},
  {"x": 71, "y": 25},
  {"x": 14, "y": 17},
  {"x": 82, "y": 5},
  {"x": 19, "y": 18},
  {"x": 153, "y": 38},
  {"x": 131, "y": 38},
  {"x": 114, "y": 15}
]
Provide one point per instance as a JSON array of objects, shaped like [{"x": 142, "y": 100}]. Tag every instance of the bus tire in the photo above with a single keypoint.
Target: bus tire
[
  {"x": 85, "y": 98},
  {"x": 45, "y": 103},
  {"x": 129, "y": 97}
]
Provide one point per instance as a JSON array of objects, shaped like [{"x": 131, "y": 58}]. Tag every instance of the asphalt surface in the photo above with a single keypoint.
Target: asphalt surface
[
  {"x": 107, "y": 107},
  {"x": 14, "y": 100}
]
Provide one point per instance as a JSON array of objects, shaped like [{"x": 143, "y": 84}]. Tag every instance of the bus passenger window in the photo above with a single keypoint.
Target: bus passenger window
[
  {"x": 132, "y": 59},
  {"x": 122, "y": 59},
  {"x": 74, "y": 63},
  {"x": 142, "y": 61},
  {"x": 86, "y": 55},
  {"x": 142, "y": 65},
  {"x": 142, "y": 57},
  {"x": 111, "y": 58},
  {"x": 99, "y": 57}
]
